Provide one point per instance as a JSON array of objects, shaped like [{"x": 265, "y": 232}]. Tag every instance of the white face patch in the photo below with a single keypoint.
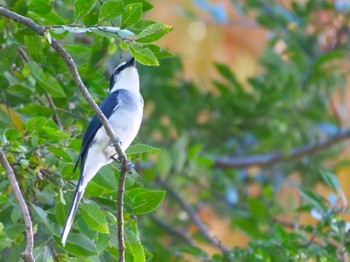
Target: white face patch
[{"x": 128, "y": 79}]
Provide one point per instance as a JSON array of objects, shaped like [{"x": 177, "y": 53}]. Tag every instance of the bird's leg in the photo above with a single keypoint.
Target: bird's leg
[{"x": 115, "y": 159}]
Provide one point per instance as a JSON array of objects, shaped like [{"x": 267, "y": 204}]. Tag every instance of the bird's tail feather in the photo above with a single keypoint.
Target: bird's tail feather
[{"x": 78, "y": 195}]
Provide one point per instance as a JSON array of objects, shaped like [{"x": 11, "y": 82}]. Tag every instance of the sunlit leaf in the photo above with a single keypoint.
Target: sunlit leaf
[
  {"x": 152, "y": 33},
  {"x": 143, "y": 55},
  {"x": 145, "y": 200},
  {"x": 83, "y": 7},
  {"x": 131, "y": 15},
  {"x": 110, "y": 10},
  {"x": 94, "y": 217},
  {"x": 140, "y": 149}
]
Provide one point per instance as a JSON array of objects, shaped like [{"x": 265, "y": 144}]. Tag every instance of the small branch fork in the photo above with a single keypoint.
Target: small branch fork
[
  {"x": 27, "y": 255},
  {"x": 126, "y": 165}
]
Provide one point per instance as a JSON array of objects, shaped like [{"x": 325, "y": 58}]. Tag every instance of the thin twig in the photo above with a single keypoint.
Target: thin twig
[
  {"x": 195, "y": 218},
  {"x": 270, "y": 159},
  {"x": 126, "y": 165},
  {"x": 55, "y": 115},
  {"x": 27, "y": 255}
]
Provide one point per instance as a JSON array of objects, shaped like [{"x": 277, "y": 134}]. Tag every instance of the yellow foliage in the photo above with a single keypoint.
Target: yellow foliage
[{"x": 14, "y": 116}]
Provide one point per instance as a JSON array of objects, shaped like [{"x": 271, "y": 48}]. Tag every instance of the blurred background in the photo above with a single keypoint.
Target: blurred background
[{"x": 289, "y": 46}]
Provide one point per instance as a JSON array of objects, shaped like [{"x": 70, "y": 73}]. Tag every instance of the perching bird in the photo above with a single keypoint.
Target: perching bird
[{"x": 124, "y": 109}]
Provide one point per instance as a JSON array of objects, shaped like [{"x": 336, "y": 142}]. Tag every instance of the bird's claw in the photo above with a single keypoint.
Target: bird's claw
[{"x": 116, "y": 141}]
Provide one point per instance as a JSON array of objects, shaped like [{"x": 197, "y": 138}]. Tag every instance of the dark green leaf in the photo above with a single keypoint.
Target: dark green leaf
[
  {"x": 51, "y": 85},
  {"x": 19, "y": 91},
  {"x": 7, "y": 57}
]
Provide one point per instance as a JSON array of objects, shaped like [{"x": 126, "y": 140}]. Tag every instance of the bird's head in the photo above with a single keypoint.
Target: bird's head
[{"x": 125, "y": 76}]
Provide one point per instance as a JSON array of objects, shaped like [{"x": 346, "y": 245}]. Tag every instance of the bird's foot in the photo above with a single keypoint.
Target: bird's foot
[
  {"x": 128, "y": 165},
  {"x": 116, "y": 141}
]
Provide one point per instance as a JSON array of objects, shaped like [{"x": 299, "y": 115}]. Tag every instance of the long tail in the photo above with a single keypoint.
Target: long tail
[{"x": 78, "y": 195}]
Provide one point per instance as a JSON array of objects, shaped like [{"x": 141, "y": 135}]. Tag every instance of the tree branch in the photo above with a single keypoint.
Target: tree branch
[
  {"x": 171, "y": 230},
  {"x": 126, "y": 165},
  {"x": 270, "y": 159},
  {"x": 195, "y": 218},
  {"x": 55, "y": 115},
  {"x": 27, "y": 255}
]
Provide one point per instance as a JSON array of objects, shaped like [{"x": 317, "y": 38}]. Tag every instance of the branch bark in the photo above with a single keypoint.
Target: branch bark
[
  {"x": 27, "y": 255},
  {"x": 270, "y": 159},
  {"x": 126, "y": 165},
  {"x": 55, "y": 115}
]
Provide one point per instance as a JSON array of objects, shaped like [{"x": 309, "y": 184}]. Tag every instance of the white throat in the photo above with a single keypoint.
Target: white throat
[{"x": 127, "y": 79}]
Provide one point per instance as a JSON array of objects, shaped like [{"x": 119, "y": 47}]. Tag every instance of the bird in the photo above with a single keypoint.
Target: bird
[{"x": 123, "y": 107}]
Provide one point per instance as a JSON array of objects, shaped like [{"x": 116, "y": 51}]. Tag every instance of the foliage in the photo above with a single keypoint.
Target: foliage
[{"x": 284, "y": 107}]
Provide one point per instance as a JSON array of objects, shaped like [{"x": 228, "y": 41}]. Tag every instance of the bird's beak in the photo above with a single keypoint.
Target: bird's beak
[{"x": 131, "y": 62}]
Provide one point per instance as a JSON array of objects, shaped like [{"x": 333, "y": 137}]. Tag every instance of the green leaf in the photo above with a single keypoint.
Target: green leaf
[
  {"x": 79, "y": 245},
  {"x": 35, "y": 109},
  {"x": 39, "y": 6},
  {"x": 41, "y": 214},
  {"x": 132, "y": 14},
  {"x": 140, "y": 149},
  {"x": 164, "y": 163},
  {"x": 144, "y": 55},
  {"x": 228, "y": 74},
  {"x": 19, "y": 91},
  {"x": 7, "y": 57},
  {"x": 106, "y": 179},
  {"x": 52, "y": 134},
  {"x": 110, "y": 10},
  {"x": 159, "y": 52},
  {"x": 134, "y": 246},
  {"x": 46, "y": 81},
  {"x": 94, "y": 217},
  {"x": 60, "y": 152},
  {"x": 83, "y": 7},
  {"x": 331, "y": 180},
  {"x": 12, "y": 134},
  {"x": 153, "y": 32},
  {"x": 51, "y": 85},
  {"x": 145, "y": 200},
  {"x": 36, "y": 122},
  {"x": 145, "y": 4},
  {"x": 314, "y": 199}
]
